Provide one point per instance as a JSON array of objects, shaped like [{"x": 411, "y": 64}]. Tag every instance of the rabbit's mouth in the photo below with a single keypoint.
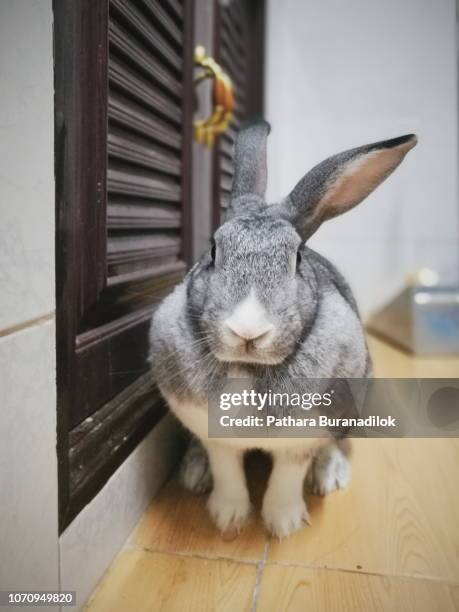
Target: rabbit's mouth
[{"x": 247, "y": 351}]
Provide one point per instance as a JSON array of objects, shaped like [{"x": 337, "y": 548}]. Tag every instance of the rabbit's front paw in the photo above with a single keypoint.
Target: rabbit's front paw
[
  {"x": 229, "y": 513},
  {"x": 330, "y": 471},
  {"x": 282, "y": 519}
]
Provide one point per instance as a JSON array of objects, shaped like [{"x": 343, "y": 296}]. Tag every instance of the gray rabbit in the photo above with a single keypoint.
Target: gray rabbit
[{"x": 261, "y": 304}]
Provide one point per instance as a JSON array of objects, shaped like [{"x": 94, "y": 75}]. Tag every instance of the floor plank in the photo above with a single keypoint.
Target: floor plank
[
  {"x": 178, "y": 521},
  {"x": 144, "y": 581},
  {"x": 301, "y": 589},
  {"x": 391, "y": 362},
  {"x": 388, "y": 542},
  {"x": 398, "y": 516}
]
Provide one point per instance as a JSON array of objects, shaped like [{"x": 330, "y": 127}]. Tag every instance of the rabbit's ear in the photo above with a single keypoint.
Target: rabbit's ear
[
  {"x": 250, "y": 160},
  {"x": 343, "y": 181}
]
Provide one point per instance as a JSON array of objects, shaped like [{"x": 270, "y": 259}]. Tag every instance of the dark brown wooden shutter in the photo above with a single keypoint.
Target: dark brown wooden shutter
[
  {"x": 123, "y": 145},
  {"x": 239, "y": 49},
  {"x": 145, "y": 191}
]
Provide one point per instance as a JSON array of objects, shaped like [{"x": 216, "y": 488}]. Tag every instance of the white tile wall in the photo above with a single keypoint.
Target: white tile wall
[
  {"x": 340, "y": 74},
  {"x": 26, "y": 161},
  {"x": 28, "y": 465},
  {"x": 29, "y": 550}
]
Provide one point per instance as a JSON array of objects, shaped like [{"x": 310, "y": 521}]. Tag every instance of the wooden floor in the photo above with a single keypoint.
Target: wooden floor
[{"x": 388, "y": 542}]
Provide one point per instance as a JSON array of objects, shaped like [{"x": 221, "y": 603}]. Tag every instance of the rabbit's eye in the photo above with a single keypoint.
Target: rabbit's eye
[{"x": 298, "y": 258}]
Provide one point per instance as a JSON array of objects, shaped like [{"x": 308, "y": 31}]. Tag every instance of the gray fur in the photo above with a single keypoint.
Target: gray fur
[
  {"x": 318, "y": 331},
  {"x": 184, "y": 333},
  {"x": 300, "y": 206},
  {"x": 250, "y": 171}
]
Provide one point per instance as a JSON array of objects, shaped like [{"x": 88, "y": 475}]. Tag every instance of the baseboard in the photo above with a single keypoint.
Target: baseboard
[{"x": 92, "y": 540}]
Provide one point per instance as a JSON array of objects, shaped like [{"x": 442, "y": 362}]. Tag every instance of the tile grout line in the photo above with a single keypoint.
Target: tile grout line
[
  {"x": 296, "y": 564},
  {"x": 13, "y": 329},
  {"x": 260, "y": 568},
  {"x": 261, "y": 564},
  {"x": 190, "y": 555}
]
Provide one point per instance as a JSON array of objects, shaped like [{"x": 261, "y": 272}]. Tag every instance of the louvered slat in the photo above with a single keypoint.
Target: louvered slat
[
  {"x": 134, "y": 246},
  {"x": 226, "y": 149},
  {"x": 162, "y": 272},
  {"x": 224, "y": 199},
  {"x": 233, "y": 56},
  {"x": 157, "y": 12},
  {"x": 141, "y": 90},
  {"x": 237, "y": 73},
  {"x": 235, "y": 10},
  {"x": 144, "y": 217},
  {"x": 130, "y": 115},
  {"x": 226, "y": 183},
  {"x": 137, "y": 253},
  {"x": 135, "y": 19},
  {"x": 131, "y": 214},
  {"x": 123, "y": 43},
  {"x": 175, "y": 9},
  {"x": 134, "y": 149},
  {"x": 226, "y": 166},
  {"x": 234, "y": 36},
  {"x": 230, "y": 133},
  {"x": 134, "y": 182}
]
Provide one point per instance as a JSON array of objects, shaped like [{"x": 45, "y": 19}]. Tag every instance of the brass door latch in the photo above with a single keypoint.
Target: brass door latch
[{"x": 205, "y": 130}]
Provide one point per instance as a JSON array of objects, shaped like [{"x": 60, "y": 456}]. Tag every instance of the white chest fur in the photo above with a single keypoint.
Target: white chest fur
[{"x": 195, "y": 418}]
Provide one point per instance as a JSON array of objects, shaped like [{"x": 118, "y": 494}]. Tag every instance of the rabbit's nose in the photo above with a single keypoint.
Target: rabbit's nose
[
  {"x": 249, "y": 335},
  {"x": 249, "y": 321}
]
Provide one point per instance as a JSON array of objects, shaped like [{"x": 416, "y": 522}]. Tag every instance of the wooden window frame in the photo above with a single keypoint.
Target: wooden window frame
[{"x": 89, "y": 452}]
